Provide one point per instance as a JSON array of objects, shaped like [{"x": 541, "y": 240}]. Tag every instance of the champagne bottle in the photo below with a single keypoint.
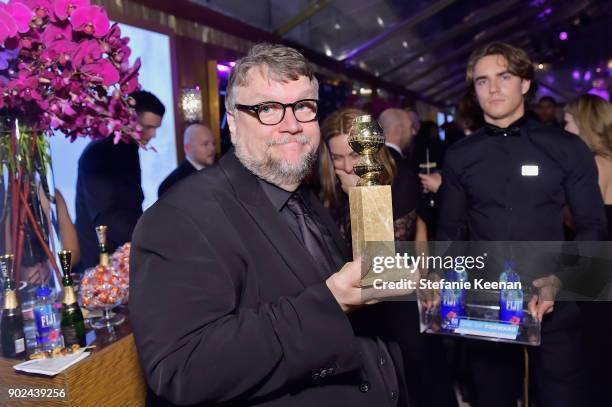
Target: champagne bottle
[
  {"x": 11, "y": 324},
  {"x": 73, "y": 323},
  {"x": 101, "y": 232}
]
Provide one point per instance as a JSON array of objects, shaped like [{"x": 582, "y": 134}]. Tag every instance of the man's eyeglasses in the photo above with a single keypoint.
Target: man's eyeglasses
[{"x": 271, "y": 113}]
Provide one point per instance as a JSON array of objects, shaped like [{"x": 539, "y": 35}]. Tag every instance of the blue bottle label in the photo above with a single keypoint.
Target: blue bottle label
[
  {"x": 45, "y": 323},
  {"x": 512, "y": 311},
  {"x": 450, "y": 309}
]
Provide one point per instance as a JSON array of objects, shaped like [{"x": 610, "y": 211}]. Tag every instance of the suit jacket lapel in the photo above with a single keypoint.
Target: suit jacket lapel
[{"x": 256, "y": 203}]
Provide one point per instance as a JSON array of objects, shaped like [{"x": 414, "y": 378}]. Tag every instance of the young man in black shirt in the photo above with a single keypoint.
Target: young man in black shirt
[{"x": 510, "y": 181}]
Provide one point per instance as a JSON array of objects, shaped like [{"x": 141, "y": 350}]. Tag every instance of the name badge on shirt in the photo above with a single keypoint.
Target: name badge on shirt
[{"x": 530, "y": 170}]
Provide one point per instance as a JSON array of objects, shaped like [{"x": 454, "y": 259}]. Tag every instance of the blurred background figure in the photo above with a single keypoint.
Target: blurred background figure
[
  {"x": 590, "y": 118},
  {"x": 547, "y": 111},
  {"x": 200, "y": 151},
  {"x": 415, "y": 119},
  {"x": 109, "y": 189},
  {"x": 399, "y": 132},
  {"x": 36, "y": 269},
  {"x": 469, "y": 114}
]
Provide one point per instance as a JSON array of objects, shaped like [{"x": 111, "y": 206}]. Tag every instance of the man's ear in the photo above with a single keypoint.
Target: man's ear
[
  {"x": 231, "y": 124},
  {"x": 525, "y": 85}
]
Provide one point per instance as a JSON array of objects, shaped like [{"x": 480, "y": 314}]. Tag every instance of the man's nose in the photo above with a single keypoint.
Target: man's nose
[
  {"x": 289, "y": 123},
  {"x": 494, "y": 86}
]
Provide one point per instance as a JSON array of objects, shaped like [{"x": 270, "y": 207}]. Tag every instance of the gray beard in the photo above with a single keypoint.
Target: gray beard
[{"x": 274, "y": 171}]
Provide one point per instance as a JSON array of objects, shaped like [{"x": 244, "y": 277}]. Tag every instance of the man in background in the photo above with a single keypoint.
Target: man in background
[
  {"x": 399, "y": 133},
  {"x": 109, "y": 190},
  {"x": 199, "y": 147},
  {"x": 546, "y": 109}
]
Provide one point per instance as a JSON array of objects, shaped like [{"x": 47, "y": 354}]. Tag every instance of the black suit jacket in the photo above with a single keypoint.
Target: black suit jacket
[
  {"x": 227, "y": 307},
  {"x": 108, "y": 193},
  {"x": 184, "y": 169},
  {"x": 405, "y": 187}
]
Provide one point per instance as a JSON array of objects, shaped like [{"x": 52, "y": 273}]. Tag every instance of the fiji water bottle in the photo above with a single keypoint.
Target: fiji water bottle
[
  {"x": 47, "y": 324},
  {"x": 451, "y": 307},
  {"x": 511, "y": 299}
]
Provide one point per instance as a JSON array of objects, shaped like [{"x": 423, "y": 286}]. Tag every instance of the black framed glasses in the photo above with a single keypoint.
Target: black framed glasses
[{"x": 271, "y": 113}]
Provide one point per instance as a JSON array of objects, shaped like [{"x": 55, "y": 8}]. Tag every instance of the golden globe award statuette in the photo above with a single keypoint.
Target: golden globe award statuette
[{"x": 370, "y": 202}]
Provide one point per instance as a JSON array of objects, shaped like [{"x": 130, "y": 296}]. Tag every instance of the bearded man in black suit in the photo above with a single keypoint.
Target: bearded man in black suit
[{"x": 239, "y": 290}]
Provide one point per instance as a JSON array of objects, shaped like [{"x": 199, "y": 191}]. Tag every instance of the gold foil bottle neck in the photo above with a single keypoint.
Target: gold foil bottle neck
[
  {"x": 101, "y": 233},
  {"x": 69, "y": 296},
  {"x": 104, "y": 260},
  {"x": 65, "y": 258},
  {"x": 10, "y": 299}
]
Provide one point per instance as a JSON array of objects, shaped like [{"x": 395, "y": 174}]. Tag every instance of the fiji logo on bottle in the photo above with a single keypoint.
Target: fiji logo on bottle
[{"x": 47, "y": 320}]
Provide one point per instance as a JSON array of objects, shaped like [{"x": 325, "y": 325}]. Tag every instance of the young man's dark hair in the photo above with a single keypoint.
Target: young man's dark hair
[
  {"x": 519, "y": 63},
  {"x": 147, "y": 102}
]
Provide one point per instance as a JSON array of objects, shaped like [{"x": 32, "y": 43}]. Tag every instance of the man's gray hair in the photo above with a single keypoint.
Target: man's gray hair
[{"x": 283, "y": 64}]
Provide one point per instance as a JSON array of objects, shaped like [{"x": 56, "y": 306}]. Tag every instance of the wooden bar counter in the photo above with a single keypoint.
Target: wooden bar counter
[{"x": 110, "y": 376}]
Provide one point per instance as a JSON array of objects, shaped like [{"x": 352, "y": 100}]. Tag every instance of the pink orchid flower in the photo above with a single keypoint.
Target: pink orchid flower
[
  {"x": 41, "y": 8},
  {"x": 22, "y": 14},
  {"x": 8, "y": 26},
  {"x": 88, "y": 52},
  {"x": 25, "y": 87},
  {"x": 64, "y": 8},
  {"x": 129, "y": 83},
  {"x": 61, "y": 51},
  {"x": 103, "y": 70},
  {"x": 56, "y": 31},
  {"x": 92, "y": 20}
]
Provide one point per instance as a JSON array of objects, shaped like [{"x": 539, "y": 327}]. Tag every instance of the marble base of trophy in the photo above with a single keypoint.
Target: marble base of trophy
[{"x": 370, "y": 202}]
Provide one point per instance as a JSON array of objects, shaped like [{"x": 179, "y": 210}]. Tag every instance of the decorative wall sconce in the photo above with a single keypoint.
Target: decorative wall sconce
[{"x": 191, "y": 104}]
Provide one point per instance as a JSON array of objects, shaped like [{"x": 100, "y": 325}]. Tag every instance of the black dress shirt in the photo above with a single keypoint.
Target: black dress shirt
[
  {"x": 513, "y": 185},
  {"x": 279, "y": 198}
]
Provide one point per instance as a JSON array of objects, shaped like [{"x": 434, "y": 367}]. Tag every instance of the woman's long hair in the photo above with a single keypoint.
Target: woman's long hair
[
  {"x": 338, "y": 123},
  {"x": 593, "y": 116}
]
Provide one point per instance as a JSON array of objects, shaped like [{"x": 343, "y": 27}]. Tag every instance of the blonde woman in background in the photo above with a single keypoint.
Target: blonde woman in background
[{"x": 590, "y": 117}]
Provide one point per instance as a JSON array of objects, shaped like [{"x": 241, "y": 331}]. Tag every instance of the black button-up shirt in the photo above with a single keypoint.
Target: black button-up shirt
[
  {"x": 514, "y": 187},
  {"x": 279, "y": 197}
]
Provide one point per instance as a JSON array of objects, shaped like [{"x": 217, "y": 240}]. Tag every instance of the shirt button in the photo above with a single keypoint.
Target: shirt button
[
  {"x": 364, "y": 387},
  {"x": 393, "y": 395}
]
